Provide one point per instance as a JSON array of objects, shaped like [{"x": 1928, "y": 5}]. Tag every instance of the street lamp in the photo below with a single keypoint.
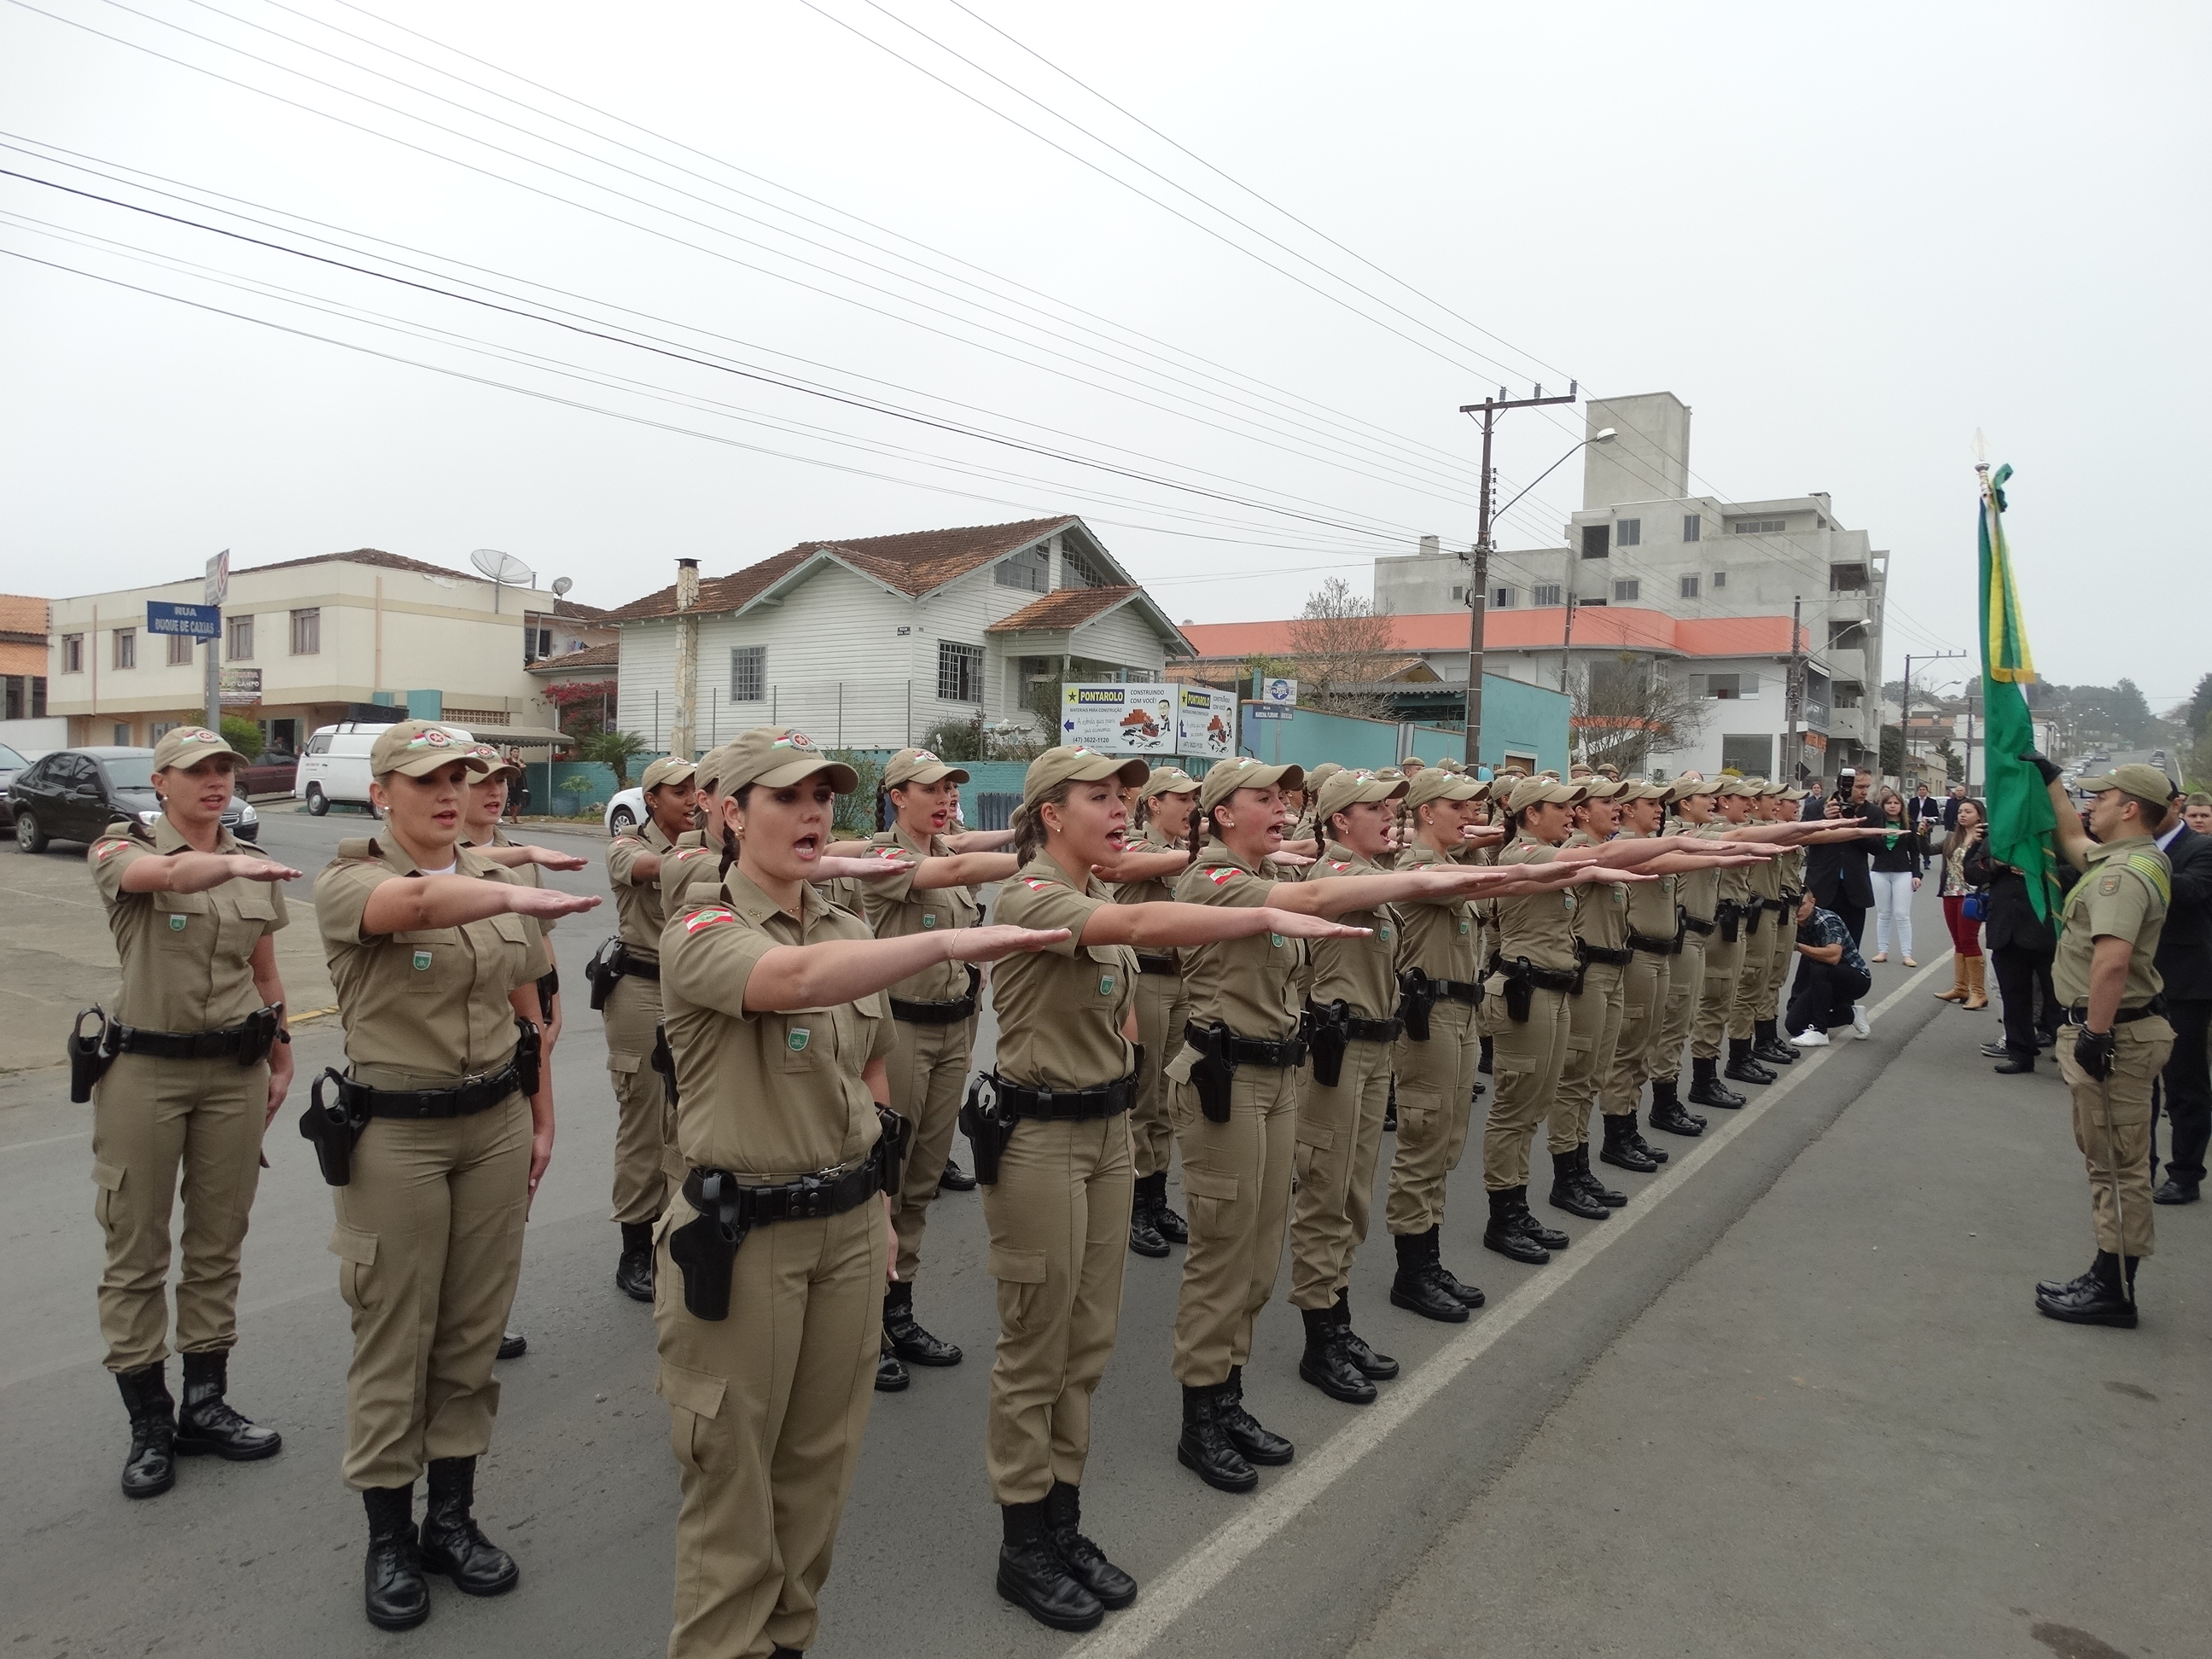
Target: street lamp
[{"x": 1477, "y": 594}]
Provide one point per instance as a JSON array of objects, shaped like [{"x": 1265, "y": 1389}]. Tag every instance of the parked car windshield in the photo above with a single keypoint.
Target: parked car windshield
[
  {"x": 9, "y": 757},
  {"x": 129, "y": 771}
]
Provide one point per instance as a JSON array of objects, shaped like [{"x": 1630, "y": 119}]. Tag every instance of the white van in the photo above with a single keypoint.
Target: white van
[{"x": 335, "y": 766}]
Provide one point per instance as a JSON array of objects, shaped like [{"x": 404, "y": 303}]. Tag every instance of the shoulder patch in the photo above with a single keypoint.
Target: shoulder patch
[
  {"x": 2154, "y": 872},
  {"x": 626, "y": 841},
  {"x": 108, "y": 849},
  {"x": 691, "y": 852},
  {"x": 1338, "y": 864},
  {"x": 2109, "y": 884},
  {"x": 1034, "y": 885},
  {"x": 1221, "y": 875},
  {"x": 707, "y": 918}
]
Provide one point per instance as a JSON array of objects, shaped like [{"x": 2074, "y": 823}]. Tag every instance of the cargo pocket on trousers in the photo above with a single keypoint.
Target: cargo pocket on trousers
[
  {"x": 1313, "y": 1139},
  {"x": 108, "y": 1180},
  {"x": 1019, "y": 1273},
  {"x": 1208, "y": 1193},
  {"x": 697, "y": 1397},
  {"x": 356, "y": 1254}
]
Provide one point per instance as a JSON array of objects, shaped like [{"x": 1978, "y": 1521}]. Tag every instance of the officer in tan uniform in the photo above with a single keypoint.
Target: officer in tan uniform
[
  {"x": 1723, "y": 964},
  {"x": 1594, "y": 1011},
  {"x": 1690, "y": 801},
  {"x": 1759, "y": 895},
  {"x": 768, "y": 1292},
  {"x": 627, "y": 990},
  {"x": 434, "y": 1144},
  {"x": 1655, "y": 938},
  {"x": 2116, "y": 1039},
  {"x": 1168, "y": 796},
  {"x": 1765, "y": 964},
  {"x": 198, "y": 1060},
  {"x": 1792, "y": 861}
]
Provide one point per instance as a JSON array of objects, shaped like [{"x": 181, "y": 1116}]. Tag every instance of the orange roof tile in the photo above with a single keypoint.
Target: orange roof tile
[{"x": 1068, "y": 607}]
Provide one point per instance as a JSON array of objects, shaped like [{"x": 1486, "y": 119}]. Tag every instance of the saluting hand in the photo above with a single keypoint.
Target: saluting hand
[
  {"x": 831, "y": 866},
  {"x": 547, "y": 858},
  {"x": 989, "y": 944},
  {"x": 246, "y": 867},
  {"x": 547, "y": 902},
  {"x": 1294, "y": 924},
  {"x": 1290, "y": 860}
]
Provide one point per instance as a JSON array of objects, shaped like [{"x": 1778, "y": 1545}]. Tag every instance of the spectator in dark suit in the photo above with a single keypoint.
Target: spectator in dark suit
[
  {"x": 1927, "y": 810},
  {"x": 1816, "y": 801},
  {"x": 1837, "y": 873},
  {"x": 2184, "y": 963},
  {"x": 2020, "y": 946},
  {"x": 1956, "y": 793}
]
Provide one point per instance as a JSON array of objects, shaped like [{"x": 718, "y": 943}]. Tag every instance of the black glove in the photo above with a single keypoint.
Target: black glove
[
  {"x": 2050, "y": 772},
  {"x": 2092, "y": 1052}
]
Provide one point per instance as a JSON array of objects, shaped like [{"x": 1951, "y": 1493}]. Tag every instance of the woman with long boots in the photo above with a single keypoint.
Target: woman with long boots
[
  {"x": 1968, "y": 985},
  {"x": 434, "y": 951},
  {"x": 1166, "y": 800},
  {"x": 201, "y": 1063}
]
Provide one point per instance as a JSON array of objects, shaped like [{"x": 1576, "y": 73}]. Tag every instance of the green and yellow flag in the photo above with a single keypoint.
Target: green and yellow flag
[{"x": 2020, "y": 821}]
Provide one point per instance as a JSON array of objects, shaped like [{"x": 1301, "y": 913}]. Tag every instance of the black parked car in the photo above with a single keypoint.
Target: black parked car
[{"x": 73, "y": 794}]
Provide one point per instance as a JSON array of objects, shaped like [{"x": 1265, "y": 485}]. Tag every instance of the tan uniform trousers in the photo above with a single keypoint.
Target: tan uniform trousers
[
  {"x": 928, "y": 1066},
  {"x": 767, "y": 1409},
  {"x": 1686, "y": 978},
  {"x": 1528, "y": 1056},
  {"x": 1783, "y": 953},
  {"x": 429, "y": 1245},
  {"x": 1644, "y": 986},
  {"x": 1237, "y": 1182},
  {"x": 2111, "y": 1126},
  {"x": 644, "y": 1126},
  {"x": 1436, "y": 1099},
  {"x": 149, "y": 1118},
  {"x": 1751, "y": 979},
  {"x": 1593, "y": 1021},
  {"x": 1162, "y": 1012},
  {"x": 1060, "y": 1236},
  {"x": 1717, "y": 995},
  {"x": 1339, "y": 1134}
]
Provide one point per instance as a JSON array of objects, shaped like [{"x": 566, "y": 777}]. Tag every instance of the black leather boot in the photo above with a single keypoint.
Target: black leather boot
[
  {"x": 1620, "y": 1149},
  {"x": 1591, "y": 1185},
  {"x": 891, "y": 1375},
  {"x": 1707, "y": 1090},
  {"x": 2013, "y": 1064},
  {"x": 1165, "y": 1222},
  {"x": 1378, "y": 1366},
  {"x": 1636, "y": 1138},
  {"x": 1144, "y": 1237},
  {"x": 1567, "y": 1193},
  {"x": 1416, "y": 1289},
  {"x": 1032, "y": 1575},
  {"x": 1666, "y": 1111},
  {"x": 909, "y": 1341},
  {"x": 954, "y": 1179},
  {"x": 1741, "y": 1067},
  {"x": 1766, "y": 1044},
  {"x": 452, "y": 1543},
  {"x": 2098, "y": 1297},
  {"x": 393, "y": 1594},
  {"x": 1086, "y": 1563},
  {"x": 1550, "y": 1238},
  {"x": 1327, "y": 1365},
  {"x": 150, "y": 1467},
  {"x": 634, "y": 1269},
  {"x": 512, "y": 1344},
  {"x": 1204, "y": 1448},
  {"x": 1484, "y": 1063},
  {"x": 1504, "y": 1233},
  {"x": 207, "y": 1424},
  {"x": 1469, "y": 1296},
  {"x": 1258, "y": 1443}
]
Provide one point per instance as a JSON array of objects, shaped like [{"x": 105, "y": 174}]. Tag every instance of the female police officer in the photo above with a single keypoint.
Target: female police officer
[
  {"x": 193, "y": 1082},
  {"x": 771, "y": 1268},
  {"x": 435, "y": 956},
  {"x": 1166, "y": 800}
]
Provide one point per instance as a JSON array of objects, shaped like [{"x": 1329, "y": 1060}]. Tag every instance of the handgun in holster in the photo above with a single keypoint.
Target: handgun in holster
[
  {"x": 529, "y": 1052},
  {"x": 89, "y": 1057},
  {"x": 1214, "y": 1076},
  {"x": 1417, "y": 995},
  {"x": 603, "y": 970},
  {"x": 1730, "y": 915},
  {"x": 1520, "y": 991},
  {"x": 334, "y": 1125},
  {"x": 1328, "y": 1034},
  {"x": 664, "y": 1062},
  {"x": 549, "y": 986},
  {"x": 892, "y": 1144},
  {"x": 987, "y": 1129},
  {"x": 261, "y": 1027},
  {"x": 705, "y": 1248}
]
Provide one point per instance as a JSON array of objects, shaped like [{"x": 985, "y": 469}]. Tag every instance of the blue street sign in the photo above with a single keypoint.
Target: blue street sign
[
  {"x": 201, "y": 622},
  {"x": 1261, "y": 711}
]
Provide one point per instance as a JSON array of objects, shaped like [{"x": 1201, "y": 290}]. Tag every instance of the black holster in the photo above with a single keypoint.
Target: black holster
[
  {"x": 892, "y": 1145},
  {"x": 603, "y": 970},
  {"x": 987, "y": 1130},
  {"x": 705, "y": 1248},
  {"x": 664, "y": 1062},
  {"x": 1328, "y": 1034},
  {"x": 335, "y": 1125},
  {"x": 1520, "y": 997},
  {"x": 89, "y": 1057},
  {"x": 1417, "y": 995},
  {"x": 1730, "y": 917},
  {"x": 529, "y": 1051},
  {"x": 260, "y": 1027},
  {"x": 549, "y": 986},
  {"x": 1215, "y": 1073}
]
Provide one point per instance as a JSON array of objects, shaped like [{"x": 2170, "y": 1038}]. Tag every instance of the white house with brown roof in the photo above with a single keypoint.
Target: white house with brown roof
[{"x": 869, "y": 642}]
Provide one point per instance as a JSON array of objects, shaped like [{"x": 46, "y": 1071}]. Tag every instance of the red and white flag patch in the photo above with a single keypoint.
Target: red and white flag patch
[
  {"x": 1221, "y": 875},
  {"x": 1034, "y": 885},
  {"x": 108, "y": 849},
  {"x": 707, "y": 918}
]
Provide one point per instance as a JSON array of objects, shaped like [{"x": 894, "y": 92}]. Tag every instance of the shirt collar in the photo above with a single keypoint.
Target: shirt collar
[
  {"x": 167, "y": 838},
  {"x": 2173, "y": 834},
  {"x": 742, "y": 894},
  {"x": 1218, "y": 853}
]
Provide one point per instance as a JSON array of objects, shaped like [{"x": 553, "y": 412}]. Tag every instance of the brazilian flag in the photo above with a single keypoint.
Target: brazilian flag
[{"x": 2020, "y": 821}]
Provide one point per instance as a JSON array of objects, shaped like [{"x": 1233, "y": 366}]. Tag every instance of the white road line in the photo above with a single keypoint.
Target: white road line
[
  {"x": 1228, "y": 1546},
  {"x": 50, "y": 1140}
]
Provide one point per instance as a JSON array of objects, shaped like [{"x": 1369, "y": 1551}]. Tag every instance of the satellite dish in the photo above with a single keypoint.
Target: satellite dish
[
  {"x": 502, "y": 568},
  {"x": 561, "y": 585}
]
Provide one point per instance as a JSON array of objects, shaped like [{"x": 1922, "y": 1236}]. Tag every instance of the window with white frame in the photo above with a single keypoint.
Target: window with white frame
[
  {"x": 1628, "y": 532},
  {"x": 1030, "y": 570},
  {"x": 959, "y": 672},
  {"x": 1628, "y": 591},
  {"x": 308, "y": 632},
  {"x": 240, "y": 646},
  {"x": 747, "y": 673},
  {"x": 1501, "y": 599},
  {"x": 1693, "y": 527},
  {"x": 1546, "y": 593},
  {"x": 1689, "y": 587}
]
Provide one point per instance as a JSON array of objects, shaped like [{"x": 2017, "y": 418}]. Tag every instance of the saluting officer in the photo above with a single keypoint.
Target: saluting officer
[
  {"x": 193, "y": 1081},
  {"x": 1167, "y": 798},
  {"x": 434, "y": 953},
  {"x": 771, "y": 1267},
  {"x": 2115, "y": 1039},
  {"x": 1654, "y": 943},
  {"x": 1699, "y": 893},
  {"x": 1594, "y": 1011},
  {"x": 1765, "y": 965}
]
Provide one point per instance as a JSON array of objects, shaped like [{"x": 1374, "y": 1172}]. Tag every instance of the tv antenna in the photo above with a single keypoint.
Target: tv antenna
[
  {"x": 561, "y": 585},
  {"x": 503, "y": 568}
]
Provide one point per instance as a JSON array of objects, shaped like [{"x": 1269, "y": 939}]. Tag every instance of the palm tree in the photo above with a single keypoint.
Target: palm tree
[{"x": 615, "y": 749}]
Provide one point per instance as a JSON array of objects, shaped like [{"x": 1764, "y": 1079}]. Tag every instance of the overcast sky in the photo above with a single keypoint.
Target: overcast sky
[{"x": 1847, "y": 237}]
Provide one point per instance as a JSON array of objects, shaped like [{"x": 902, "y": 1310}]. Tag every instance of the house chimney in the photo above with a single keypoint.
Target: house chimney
[
  {"x": 1431, "y": 547},
  {"x": 682, "y": 729}
]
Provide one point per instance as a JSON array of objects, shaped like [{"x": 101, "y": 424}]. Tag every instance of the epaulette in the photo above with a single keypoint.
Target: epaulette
[
  {"x": 358, "y": 848},
  {"x": 2154, "y": 871}
]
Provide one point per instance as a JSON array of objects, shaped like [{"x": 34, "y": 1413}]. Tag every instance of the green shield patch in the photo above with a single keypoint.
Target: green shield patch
[
  {"x": 422, "y": 961},
  {"x": 1106, "y": 985},
  {"x": 798, "y": 1038},
  {"x": 177, "y": 922}
]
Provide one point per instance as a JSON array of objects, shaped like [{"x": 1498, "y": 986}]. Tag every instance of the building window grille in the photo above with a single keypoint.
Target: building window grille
[
  {"x": 1627, "y": 593},
  {"x": 1501, "y": 599},
  {"x": 749, "y": 673},
  {"x": 308, "y": 632},
  {"x": 1629, "y": 533},
  {"x": 1597, "y": 541},
  {"x": 1546, "y": 593},
  {"x": 959, "y": 672},
  {"x": 1689, "y": 587},
  {"x": 1693, "y": 527}
]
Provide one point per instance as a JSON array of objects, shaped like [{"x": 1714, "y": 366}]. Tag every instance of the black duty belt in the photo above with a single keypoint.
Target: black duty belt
[
  {"x": 831, "y": 1192},
  {"x": 940, "y": 1013},
  {"x": 1544, "y": 979},
  {"x": 1158, "y": 965},
  {"x": 1728, "y": 908},
  {"x": 1064, "y": 1105},
  {"x": 462, "y": 1100},
  {"x": 1599, "y": 954},
  {"x": 1655, "y": 947},
  {"x": 182, "y": 1045},
  {"x": 1697, "y": 925},
  {"x": 2079, "y": 1013},
  {"x": 1469, "y": 991},
  {"x": 1361, "y": 1031},
  {"x": 635, "y": 966},
  {"x": 1252, "y": 1051}
]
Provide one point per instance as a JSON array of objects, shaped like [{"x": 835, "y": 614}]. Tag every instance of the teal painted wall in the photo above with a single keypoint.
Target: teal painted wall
[{"x": 1525, "y": 719}]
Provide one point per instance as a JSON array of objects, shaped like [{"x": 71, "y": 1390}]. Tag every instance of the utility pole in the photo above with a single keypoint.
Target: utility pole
[
  {"x": 1905, "y": 715},
  {"x": 1794, "y": 698},
  {"x": 1478, "y": 592}
]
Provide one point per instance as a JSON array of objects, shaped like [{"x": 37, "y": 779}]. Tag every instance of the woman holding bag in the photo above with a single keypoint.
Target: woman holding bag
[{"x": 1961, "y": 897}]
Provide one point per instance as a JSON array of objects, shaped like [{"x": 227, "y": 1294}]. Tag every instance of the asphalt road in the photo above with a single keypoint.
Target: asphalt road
[{"x": 1793, "y": 1400}]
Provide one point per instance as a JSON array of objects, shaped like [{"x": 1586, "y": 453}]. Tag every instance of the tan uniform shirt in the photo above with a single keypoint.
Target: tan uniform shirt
[
  {"x": 771, "y": 1096},
  {"x": 1700, "y": 890},
  {"x": 639, "y": 911},
  {"x": 187, "y": 956},
  {"x": 1600, "y": 912},
  {"x": 1651, "y": 905},
  {"x": 1541, "y": 926},
  {"x": 896, "y": 909},
  {"x": 1250, "y": 985},
  {"x": 692, "y": 864},
  {"x": 432, "y": 1002},
  {"x": 1438, "y": 935},
  {"x": 528, "y": 875},
  {"x": 2123, "y": 894},
  {"x": 1157, "y": 891},
  {"x": 1735, "y": 884},
  {"x": 1061, "y": 1010},
  {"x": 1362, "y": 973}
]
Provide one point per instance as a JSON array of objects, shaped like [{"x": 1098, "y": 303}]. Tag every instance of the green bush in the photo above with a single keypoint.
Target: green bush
[
  {"x": 856, "y": 813},
  {"x": 243, "y": 735}
]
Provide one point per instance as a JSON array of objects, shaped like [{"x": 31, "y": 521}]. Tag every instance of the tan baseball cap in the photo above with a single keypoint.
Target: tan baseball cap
[
  {"x": 1593, "y": 787},
  {"x": 1412, "y": 764},
  {"x": 188, "y": 745},
  {"x": 1737, "y": 787},
  {"x": 1436, "y": 784},
  {"x": 1073, "y": 764},
  {"x": 1350, "y": 789},
  {"x": 919, "y": 766},
  {"x": 2146, "y": 781},
  {"x": 495, "y": 763},
  {"x": 667, "y": 769},
  {"x": 1534, "y": 792},
  {"x": 420, "y": 747},
  {"x": 776, "y": 756},
  {"x": 1683, "y": 788},
  {"x": 1169, "y": 780},
  {"x": 1227, "y": 778},
  {"x": 1321, "y": 774},
  {"x": 1452, "y": 764}
]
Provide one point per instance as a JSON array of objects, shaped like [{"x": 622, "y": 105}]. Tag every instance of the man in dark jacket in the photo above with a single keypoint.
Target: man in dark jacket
[
  {"x": 1836, "y": 872},
  {"x": 2184, "y": 963},
  {"x": 2020, "y": 946}
]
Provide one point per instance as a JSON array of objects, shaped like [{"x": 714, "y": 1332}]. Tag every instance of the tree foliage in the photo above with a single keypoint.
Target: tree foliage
[
  {"x": 1627, "y": 709},
  {"x": 615, "y": 749},
  {"x": 1338, "y": 643},
  {"x": 243, "y": 735}
]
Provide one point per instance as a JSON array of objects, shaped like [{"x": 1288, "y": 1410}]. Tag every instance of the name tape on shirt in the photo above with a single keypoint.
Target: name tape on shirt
[{"x": 707, "y": 918}]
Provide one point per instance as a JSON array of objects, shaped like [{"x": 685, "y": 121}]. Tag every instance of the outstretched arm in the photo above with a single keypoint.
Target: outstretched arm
[
  {"x": 793, "y": 977},
  {"x": 1171, "y": 923}
]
